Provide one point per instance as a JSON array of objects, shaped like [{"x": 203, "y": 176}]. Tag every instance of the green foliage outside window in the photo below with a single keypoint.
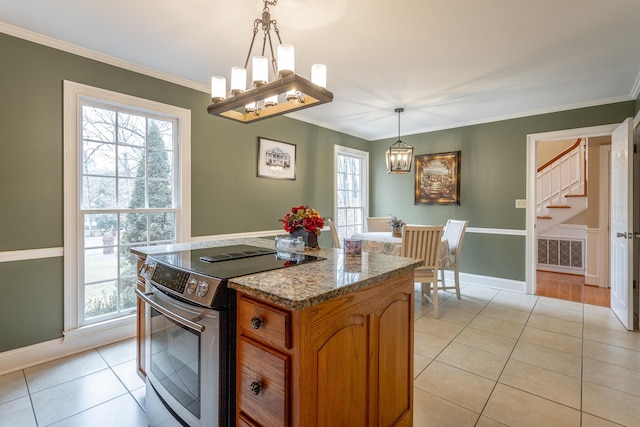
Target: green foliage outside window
[{"x": 145, "y": 180}]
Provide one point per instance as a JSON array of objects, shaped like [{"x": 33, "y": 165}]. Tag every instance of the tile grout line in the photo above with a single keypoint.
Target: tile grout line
[
  {"x": 129, "y": 392},
  {"x": 495, "y": 384},
  {"x": 33, "y": 409}
]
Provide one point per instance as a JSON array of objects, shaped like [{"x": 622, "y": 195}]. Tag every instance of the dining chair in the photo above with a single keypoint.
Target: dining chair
[
  {"x": 378, "y": 223},
  {"x": 334, "y": 232},
  {"x": 423, "y": 242},
  {"x": 454, "y": 233}
]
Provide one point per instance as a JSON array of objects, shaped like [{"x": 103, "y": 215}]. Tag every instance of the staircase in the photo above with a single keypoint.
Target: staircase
[{"x": 561, "y": 187}]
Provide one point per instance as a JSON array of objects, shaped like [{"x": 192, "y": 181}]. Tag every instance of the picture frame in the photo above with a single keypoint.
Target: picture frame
[
  {"x": 276, "y": 159},
  {"x": 437, "y": 179}
]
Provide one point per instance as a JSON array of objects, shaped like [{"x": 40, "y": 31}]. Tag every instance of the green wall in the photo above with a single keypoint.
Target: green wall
[
  {"x": 227, "y": 196},
  {"x": 493, "y": 176}
]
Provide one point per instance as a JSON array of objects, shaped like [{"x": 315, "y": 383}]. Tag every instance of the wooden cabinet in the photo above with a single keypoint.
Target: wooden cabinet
[
  {"x": 263, "y": 383},
  {"x": 347, "y": 361}
]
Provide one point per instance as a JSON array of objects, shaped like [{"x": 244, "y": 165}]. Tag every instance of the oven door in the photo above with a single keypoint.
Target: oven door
[{"x": 182, "y": 359}]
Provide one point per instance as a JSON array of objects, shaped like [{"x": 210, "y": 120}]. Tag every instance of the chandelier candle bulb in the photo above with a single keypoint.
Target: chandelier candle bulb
[
  {"x": 218, "y": 88},
  {"x": 260, "y": 66},
  {"x": 238, "y": 80},
  {"x": 250, "y": 108},
  {"x": 286, "y": 60},
  {"x": 292, "y": 94},
  {"x": 271, "y": 101},
  {"x": 319, "y": 75}
]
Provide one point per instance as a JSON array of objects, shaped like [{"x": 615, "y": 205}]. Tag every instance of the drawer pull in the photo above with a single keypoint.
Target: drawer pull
[
  {"x": 256, "y": 323},
  {"x": 256, "y": 387}
]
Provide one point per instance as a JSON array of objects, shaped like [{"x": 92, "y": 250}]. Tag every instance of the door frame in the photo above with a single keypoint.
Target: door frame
[
  {"x": 532, "y": 140},
  {"x": 603, "y": 216}
]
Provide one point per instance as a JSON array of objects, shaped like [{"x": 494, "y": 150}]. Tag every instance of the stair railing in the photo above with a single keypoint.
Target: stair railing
[{"x": 562, "y": 176}]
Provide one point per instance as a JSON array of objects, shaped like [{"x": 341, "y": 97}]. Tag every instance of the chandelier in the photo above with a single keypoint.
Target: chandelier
[
  {"x": 399, "y": 155},
  {"x": 286, "y": 93}
]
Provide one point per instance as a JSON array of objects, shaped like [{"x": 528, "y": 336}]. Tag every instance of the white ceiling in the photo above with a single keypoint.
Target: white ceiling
[{"x": 447, "y": 62}]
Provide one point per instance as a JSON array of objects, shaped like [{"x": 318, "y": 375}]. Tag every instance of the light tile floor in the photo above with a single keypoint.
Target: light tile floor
[
  {"x": 96, "y": 388},
  {"x": 494, "y": 358},
  {"x": 500, "y": 358}
]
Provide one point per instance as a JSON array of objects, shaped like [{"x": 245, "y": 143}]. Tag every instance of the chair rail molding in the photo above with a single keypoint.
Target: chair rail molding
[{"x": 28, "y": 254}]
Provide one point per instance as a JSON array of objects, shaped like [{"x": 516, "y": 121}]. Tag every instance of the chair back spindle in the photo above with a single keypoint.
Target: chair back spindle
[{"x": 423, "y": 242}]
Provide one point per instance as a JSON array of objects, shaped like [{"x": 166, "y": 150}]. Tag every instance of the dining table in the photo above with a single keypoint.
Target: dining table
[{"x": 385, "y": 242}]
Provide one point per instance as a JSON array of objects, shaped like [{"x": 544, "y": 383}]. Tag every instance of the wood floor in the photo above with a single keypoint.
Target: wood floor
[{"x": 570, "y": 287}]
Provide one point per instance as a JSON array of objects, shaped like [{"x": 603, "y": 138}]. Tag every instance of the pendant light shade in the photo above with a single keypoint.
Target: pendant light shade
[
  {"x": 400, "y": 155},
  {"x": 260, "y": 70},
  {"x": 238, "y": 80},
  {"x": 319, "y": 74},
  {"x": 286, "y": 62},
  {"x": 218, "y": 88}
]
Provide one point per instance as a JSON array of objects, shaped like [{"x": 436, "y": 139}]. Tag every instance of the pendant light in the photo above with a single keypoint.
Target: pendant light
[
  {"x": 399, "y": 155},
  {"x": 288, "y": 91}
]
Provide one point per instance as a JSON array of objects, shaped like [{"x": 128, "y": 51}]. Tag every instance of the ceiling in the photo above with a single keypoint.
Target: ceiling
[{"x": 449, "y": 63}]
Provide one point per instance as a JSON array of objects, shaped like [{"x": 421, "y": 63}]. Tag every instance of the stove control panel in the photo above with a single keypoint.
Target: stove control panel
[{"x": 172, "y": 280}]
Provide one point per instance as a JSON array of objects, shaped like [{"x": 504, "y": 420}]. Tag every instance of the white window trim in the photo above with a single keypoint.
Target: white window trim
[
  {"x": 73, "y": 92},
  {"x": 339, "y": 149}
]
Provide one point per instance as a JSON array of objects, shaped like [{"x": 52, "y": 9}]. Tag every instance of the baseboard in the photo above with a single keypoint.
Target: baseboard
[
  {"x": 25, "y": 357},
  {"x": 560, "y": 269},
  {"x": 488, "y": 282},
  {"x": 591, "y": 280}
]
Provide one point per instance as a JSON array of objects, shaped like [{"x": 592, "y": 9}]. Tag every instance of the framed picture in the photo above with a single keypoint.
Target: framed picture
[
  {"x": 438, "y": 179},
  {"x": 276, "y": 159}
]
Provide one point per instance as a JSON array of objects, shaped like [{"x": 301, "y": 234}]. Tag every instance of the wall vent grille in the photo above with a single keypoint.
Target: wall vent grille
[{"x": 561, "y": 253}]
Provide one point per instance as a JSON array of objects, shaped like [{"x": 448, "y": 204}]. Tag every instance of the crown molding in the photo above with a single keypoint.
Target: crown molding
[
  {"x": 97, "y": 56},
  {"x": 127, "y": 65}
]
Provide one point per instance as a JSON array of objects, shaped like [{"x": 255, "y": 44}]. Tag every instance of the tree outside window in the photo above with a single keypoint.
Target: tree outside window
[{"x": 128, "y": 199}]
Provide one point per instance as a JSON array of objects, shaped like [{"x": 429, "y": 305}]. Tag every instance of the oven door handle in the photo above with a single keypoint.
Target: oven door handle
[{"x": 182, "y": 320}]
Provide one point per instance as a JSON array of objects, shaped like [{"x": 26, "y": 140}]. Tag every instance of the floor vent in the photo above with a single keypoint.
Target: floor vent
[{"x": 561, "y": 253}]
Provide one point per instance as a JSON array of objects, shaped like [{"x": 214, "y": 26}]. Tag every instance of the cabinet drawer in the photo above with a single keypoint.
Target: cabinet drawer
[
  {"x": 264, "y": 322},
  {"x": 263, "y": 384},
  {"x": 243, "y": 421}
]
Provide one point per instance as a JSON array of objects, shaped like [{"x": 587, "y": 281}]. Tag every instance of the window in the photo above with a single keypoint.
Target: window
[
  {"x": 351, "y": 190},
  {"x": 125, "y": 160}
]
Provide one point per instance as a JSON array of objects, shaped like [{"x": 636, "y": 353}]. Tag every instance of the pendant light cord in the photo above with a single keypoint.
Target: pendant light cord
[{"x": 399, "y": 110}]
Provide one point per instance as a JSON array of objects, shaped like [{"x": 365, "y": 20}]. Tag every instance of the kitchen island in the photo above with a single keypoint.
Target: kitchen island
[{"x": 325, "y": 343}]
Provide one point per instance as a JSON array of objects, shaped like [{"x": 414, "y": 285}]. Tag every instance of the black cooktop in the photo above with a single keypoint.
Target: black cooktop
[{"x": 225, "y": 262}]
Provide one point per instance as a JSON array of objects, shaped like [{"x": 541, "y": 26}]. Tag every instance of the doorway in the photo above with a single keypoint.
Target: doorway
[
  {"x": 572, "y": 219},
  {"x": 532, "y": 144}
]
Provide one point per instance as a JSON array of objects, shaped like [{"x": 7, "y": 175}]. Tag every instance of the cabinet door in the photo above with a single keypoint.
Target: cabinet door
[
  {"x": 362, "y": 346},
  {"x": 342, "y": 374},
  {"x": 395, "y": 362}
]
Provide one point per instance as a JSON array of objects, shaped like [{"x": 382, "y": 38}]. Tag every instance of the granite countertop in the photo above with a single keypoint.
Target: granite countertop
[{"x": 304, "y": 285}]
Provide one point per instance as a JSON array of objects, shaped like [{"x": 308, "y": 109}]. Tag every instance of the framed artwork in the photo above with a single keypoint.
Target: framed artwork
[
  {"x": 276, "y": 159},
  {"x": 438, "y": 179}
]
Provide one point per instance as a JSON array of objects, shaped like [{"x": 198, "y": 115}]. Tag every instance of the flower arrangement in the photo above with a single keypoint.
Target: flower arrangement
[{"x": 303, "y": 217}]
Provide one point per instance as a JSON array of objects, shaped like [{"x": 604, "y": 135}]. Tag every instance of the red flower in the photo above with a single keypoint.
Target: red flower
[{"x": 303, "y": 217}]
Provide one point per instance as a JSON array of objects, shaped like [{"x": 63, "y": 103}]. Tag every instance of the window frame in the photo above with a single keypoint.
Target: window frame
[
  {"x": 74, "y": 96},
  {"x": 364, "y": 176}
]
